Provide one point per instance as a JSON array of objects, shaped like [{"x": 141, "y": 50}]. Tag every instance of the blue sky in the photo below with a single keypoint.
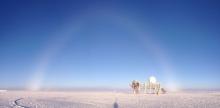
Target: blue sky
[{"x": 109, "y": 43}]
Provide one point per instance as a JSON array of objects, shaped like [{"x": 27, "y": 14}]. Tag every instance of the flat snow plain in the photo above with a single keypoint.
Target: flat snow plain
[{"x": 93, "y": 99}]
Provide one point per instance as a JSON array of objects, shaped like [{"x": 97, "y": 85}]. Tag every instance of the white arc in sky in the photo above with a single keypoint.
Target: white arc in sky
[{"x": 53, "y": 48}]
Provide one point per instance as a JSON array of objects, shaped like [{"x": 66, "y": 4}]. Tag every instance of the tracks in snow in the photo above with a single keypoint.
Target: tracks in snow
[{"x": 17, "y": 105}]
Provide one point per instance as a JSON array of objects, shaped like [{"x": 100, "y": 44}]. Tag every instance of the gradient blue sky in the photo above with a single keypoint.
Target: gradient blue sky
[{"x": 109, "y": 43}]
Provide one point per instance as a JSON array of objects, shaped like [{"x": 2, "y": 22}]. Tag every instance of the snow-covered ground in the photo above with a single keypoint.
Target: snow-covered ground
[{"x": 76, "y": 99}]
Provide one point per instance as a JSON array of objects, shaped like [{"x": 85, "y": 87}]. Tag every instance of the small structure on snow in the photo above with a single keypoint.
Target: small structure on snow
[{"x": 151, "y": 86}]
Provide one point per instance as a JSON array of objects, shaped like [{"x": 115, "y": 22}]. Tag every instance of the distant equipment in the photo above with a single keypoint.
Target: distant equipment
[
  {"x": 151, "y": 86},
  {"x": 135, "y": 85}
]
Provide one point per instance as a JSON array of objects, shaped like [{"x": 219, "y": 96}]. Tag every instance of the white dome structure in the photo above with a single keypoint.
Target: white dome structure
[{"x": 152, "y": 79}]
